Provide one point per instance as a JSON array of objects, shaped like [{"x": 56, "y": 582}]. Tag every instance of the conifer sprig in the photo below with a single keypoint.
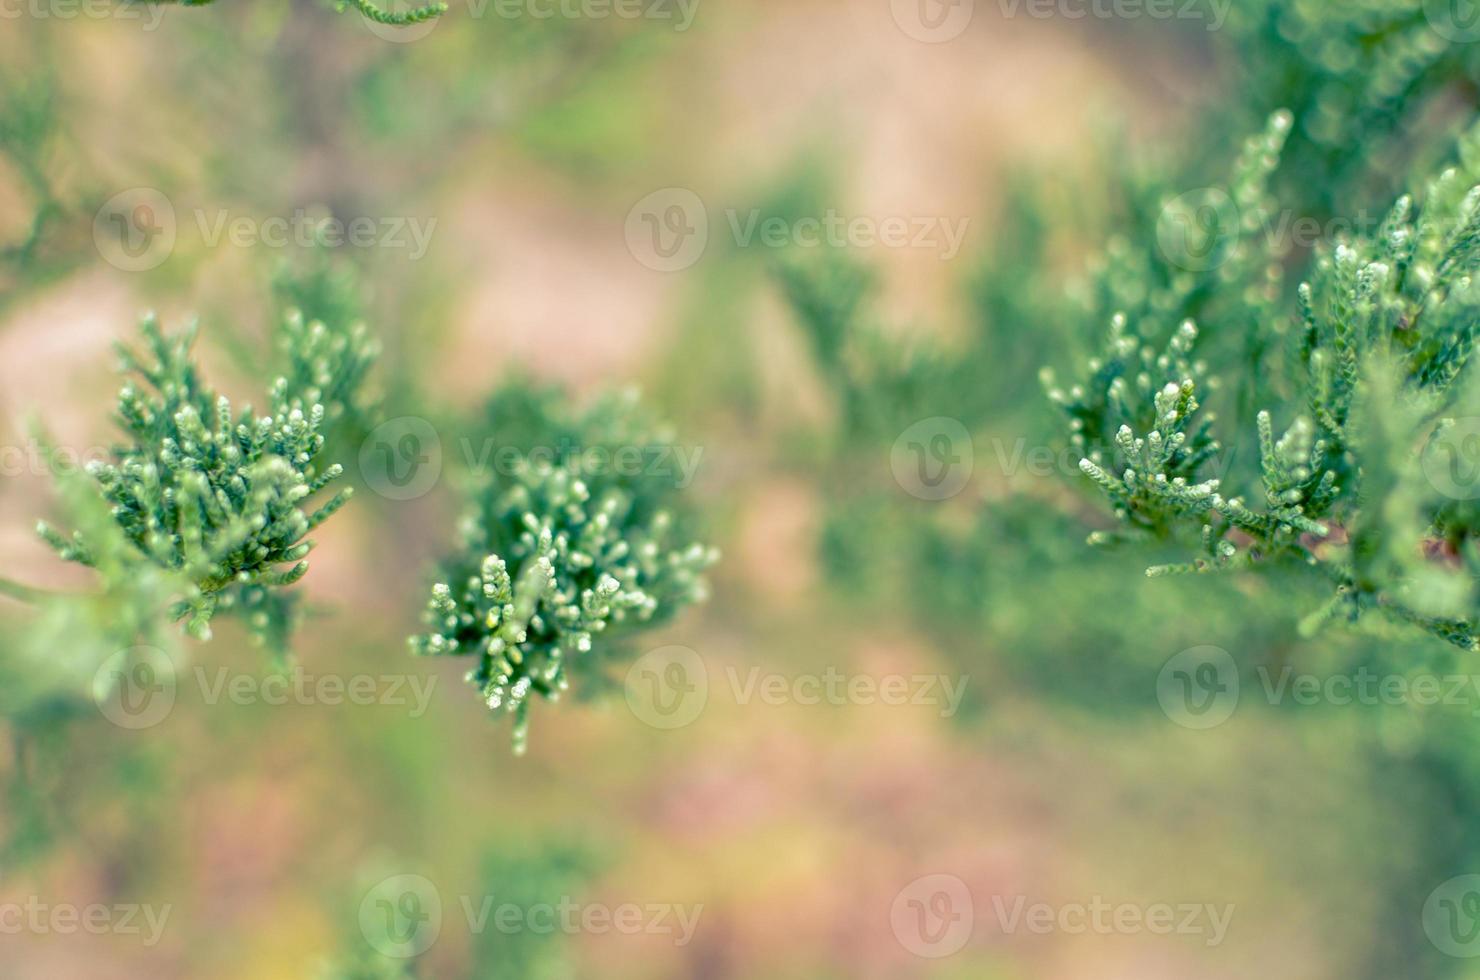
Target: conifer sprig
[
  {"x": 371, "y": 10},
  {"x": 1382, "y": 336},
  {"x": 217, "y": 495},
  {"x": 560, "y": 561}
]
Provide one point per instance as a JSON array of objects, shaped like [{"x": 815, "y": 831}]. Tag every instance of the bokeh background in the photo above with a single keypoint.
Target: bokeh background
[{"x": 798, "y": 834}]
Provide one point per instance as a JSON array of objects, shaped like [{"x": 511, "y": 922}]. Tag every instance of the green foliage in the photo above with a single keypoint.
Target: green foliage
[
  {"x": 216, "y": 496},
  {"x": 1386, "y": 326},
  {"x": 324, "y": 350},
  {"x": 573, "y": 542},
  {"x": 372, "y": 11}
]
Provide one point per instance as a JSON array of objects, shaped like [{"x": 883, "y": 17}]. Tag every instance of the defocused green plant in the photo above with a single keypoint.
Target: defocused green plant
[
  {"x": 371, "y": 10},
  {"x": 1193, "y": 287},
  {"x": 574, "y": 540}
]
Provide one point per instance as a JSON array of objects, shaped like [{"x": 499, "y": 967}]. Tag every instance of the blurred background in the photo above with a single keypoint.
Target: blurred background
[{"x": 604, "y": 200}]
